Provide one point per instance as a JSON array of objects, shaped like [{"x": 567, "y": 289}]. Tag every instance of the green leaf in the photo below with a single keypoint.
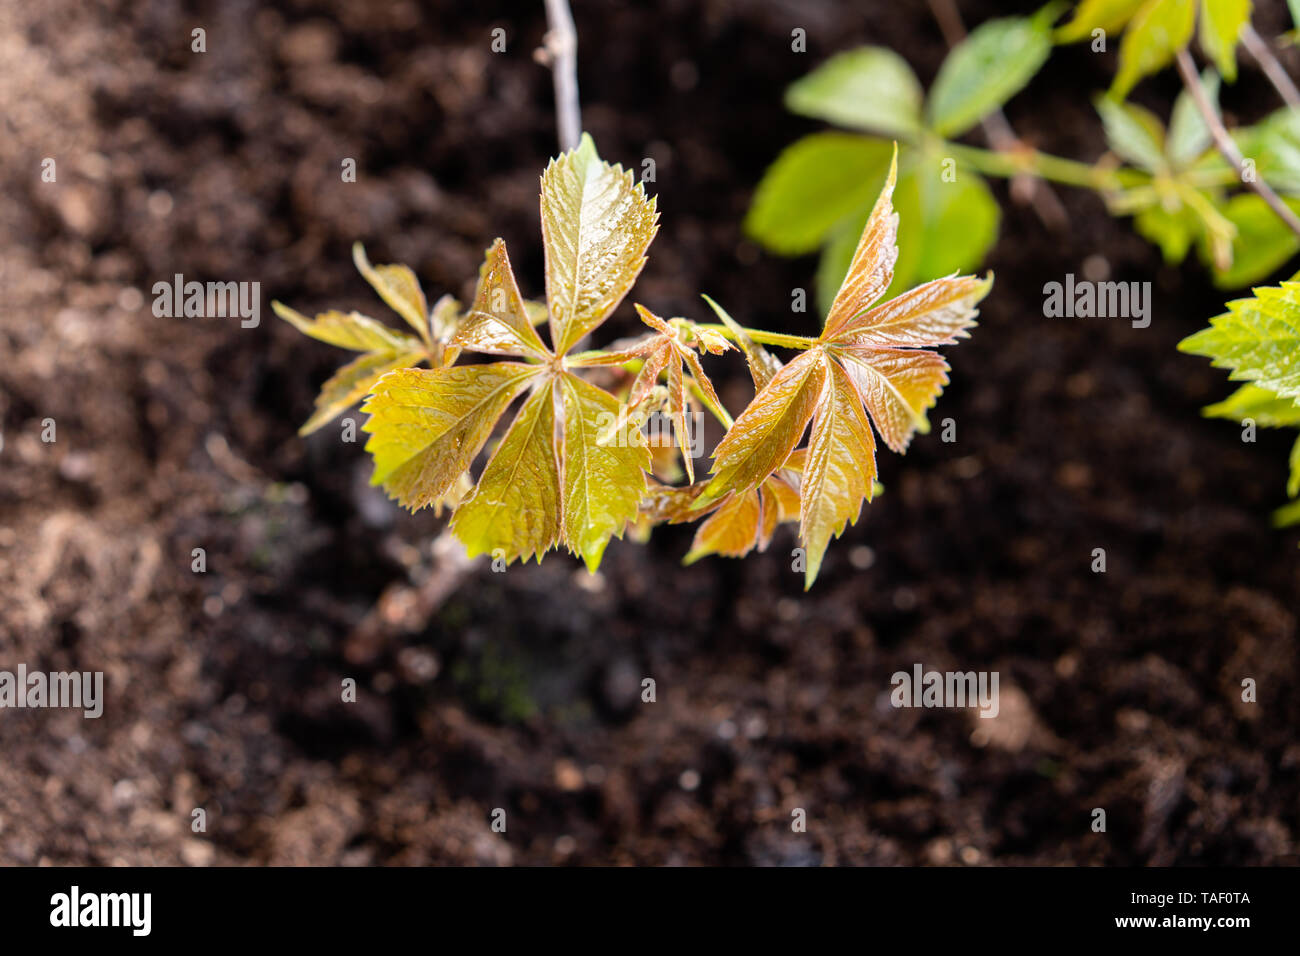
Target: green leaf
[
  {"x": 1262, "y": 245},
  {"x": 871, "y": 88},
  {"x": 1287, "y": 515},
  {"x": 596, "y": 227},
  {"x": 813, "y": 185},
  {"x": 1172, "y": 231},
  {"x": 398, "y": 287},
  {"x": 1274, "y": 145},
  {"x": 1293, "y": 482},
  {"x": 1260, "y": 405},
  {"x": 515, "y": 508},
  {"x": 1189, "y": 134},
  {"x": 986, "y": 69},
  {"x": 1109, "y": 16},
  {"x": 426, "y": 427},
  {"x": 958, "y": 225},
  {"x": 1157, "y": 32},
  {"x": 1133, "y": 133},
  {"x": 603, "y": 475},
  {"x": 1220, "y": 29},
  {"x": 1258, "y": 339}
]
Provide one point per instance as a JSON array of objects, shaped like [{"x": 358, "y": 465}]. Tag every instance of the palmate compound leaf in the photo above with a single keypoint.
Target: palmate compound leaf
[
  {"x": 568, "y": 468},
  {"x": 596, "y": 226},
  {"x": 862, "y": 362}
]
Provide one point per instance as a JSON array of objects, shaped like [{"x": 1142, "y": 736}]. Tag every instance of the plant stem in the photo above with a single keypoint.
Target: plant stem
[
  {"x": 561, "y": 53},
  {"x": 720, "y": 413},
  {"x": 1068, "y": 172},
  {"x": 1258, "y": 49},
  {"x": 779, "y": 339},
  {"x": 1192, "y": 81},
  {"x": 1025, "y": 186}
]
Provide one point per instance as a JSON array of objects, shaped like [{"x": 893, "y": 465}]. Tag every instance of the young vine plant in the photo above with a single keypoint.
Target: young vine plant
[{"x": 574, "y": 467}]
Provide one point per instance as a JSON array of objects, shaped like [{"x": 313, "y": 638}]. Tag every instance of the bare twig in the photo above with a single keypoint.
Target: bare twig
[
  {"x": 1025, "y": 187},
  {"x": 560, "y": 52},
  {"x": 404, "y": 608},
  {"x": 1224, "y": 143},
  {"x": 1271, "y": 66}
]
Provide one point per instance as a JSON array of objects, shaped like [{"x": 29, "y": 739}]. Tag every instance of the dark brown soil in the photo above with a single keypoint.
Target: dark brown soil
[{"x": 521, "y": 690}]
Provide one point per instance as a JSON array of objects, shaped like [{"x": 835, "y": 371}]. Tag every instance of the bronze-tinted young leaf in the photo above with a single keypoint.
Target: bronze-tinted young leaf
[
  {"x": 731, "y": 530},
  {"x": 515, "y": 507},
  {"x": 762, "y": 438},
  {"x": 770, "y": 515},
  {"x": 426, "y": 427},
  {"x": 675, "y": 353},
  {"x": 897, "y": 386},
  {"x": 353, "y": 382},
  {"x": 656, "y": 360},
  {"x": 498, "y": 322},
  {"x": 872, "y": 267},
  {"x": 938, "y": 312},
  {"x": 603, "y": 478},
  {"x": 840, "y": 470},
  {"x": 596, "y": 226},
  {"x": 397, "y": 286},
  {"x": 671, "y": 504},
  {"x": 735, "y": 524}
]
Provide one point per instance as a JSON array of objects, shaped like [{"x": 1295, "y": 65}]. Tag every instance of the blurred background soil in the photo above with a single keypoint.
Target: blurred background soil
[{"x": 521, "y": 690}]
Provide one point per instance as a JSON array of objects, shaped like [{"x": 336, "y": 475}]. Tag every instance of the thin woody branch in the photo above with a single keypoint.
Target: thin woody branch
[
  {"x": 1224, "y": 142},
  {"x": 560, "y": 53}
]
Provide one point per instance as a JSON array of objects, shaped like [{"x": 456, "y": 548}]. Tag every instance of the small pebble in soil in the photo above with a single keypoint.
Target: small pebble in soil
[
  {"x": 567, "y": 776},
  {"x": 689, "y": 780},
  {"x": 1096, "y": 268},
  {"x": 861, "y": 557},
  {"x": 684, "y": 75}
]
